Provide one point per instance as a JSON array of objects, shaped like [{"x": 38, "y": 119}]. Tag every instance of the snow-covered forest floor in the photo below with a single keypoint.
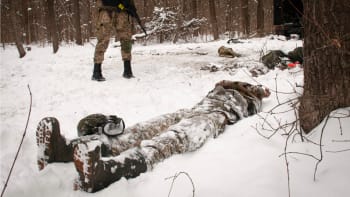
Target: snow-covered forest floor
[{"x": 240, "y": 162}]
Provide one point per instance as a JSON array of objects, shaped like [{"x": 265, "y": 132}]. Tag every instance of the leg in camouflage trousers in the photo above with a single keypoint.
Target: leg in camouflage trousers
[
  {"x": 108, "y": 22},
  {"x": 187, "y": 135},
  {"x": 140, "y": 148},
  {"x": 54, "y": 147}
]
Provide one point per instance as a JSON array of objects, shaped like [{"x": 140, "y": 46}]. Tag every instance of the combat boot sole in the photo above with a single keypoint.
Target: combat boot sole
[{"x": 47, "y": 131}]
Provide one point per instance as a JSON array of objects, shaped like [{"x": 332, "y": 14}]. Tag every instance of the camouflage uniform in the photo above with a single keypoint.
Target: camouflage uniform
[
  {"x": 110, "y": 19},
  {"x": 227, "y": 52},
  {"x": 143, "y": 145},
  {"x": 276, "y": 57}
]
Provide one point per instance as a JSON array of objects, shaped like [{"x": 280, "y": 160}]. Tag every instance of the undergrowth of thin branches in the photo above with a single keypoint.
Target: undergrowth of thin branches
[{"x": 271, "y": 124}]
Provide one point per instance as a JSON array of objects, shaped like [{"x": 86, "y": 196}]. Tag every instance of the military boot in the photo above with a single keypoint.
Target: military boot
[
  {"x": 127, "y": 70},
  {"x": 95, "y": 174},
  {"x": 97, "y": 73},
  {"x": 52, "y": 146}
]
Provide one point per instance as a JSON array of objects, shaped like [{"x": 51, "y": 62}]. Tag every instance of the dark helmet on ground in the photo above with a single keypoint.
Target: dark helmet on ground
[{"x": 99, "y": 123}]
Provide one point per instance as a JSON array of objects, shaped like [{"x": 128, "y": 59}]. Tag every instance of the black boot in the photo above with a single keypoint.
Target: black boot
[
  {"x": 95, "y": 174},
  {"x": 97, "y": 74},
  {"x": 127, "y": 70},
  {"x": 52, "y": 146}
]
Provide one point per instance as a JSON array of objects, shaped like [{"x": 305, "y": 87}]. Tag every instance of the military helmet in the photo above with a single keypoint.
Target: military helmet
[{"x": 99, "y": 123}]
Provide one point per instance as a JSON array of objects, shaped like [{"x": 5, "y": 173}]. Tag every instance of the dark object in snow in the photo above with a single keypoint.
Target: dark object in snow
[
  {"x": 143, "y": 145},
  {"x": 211, "y": 68},
  {"x": 227, "y": 52},
  {"x": 234, "y": 41},
  {"x": 95, "y": 174},
  {"x": 97, "y": 73},
  {"x": 99, "y": 123},
  {"x": 52, "y": 146},
  {"x": 127, "y": 70},
  {"x": 273, "y": 58},
  {"x": 258, "y": 70},
  {"x": 255, "y": 69},
  {"x": 296, "y": 55},
  {"x": 288, "y": 17},
  {"x": 278, "y": 58}
]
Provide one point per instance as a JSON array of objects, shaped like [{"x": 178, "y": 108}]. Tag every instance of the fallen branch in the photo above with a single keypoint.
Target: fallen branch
[
  {"x": 337, "y": 151},
  {"x": 20, "y": 145},
  {"x": 287, "y": 164}
]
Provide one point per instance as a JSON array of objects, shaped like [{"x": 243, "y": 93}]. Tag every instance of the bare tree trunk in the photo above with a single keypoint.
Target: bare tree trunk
[
  {"x": 179, "y": 20},
  {"x": 194, "y": 14},
  {"x": 146, "y": 11},
  {"x": 327, "y": 60},
  {"x": 16, "y": 29},
  {"x": 31, "y": 29},
  {"x": 76, "y": 19},
  {"x": 25, "y": 20},
  {"x": 213, "y": 20},
  {"x": 260, "y": 18},
  {"x": 245, "y": 24},
  {"x": 228, "y": 16},
  {"x": 52, "y": 24},
  {"x": 194, "y": 11},
  {"x": 89, "y": 21}
]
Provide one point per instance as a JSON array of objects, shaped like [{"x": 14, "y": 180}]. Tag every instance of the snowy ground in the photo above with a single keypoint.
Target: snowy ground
[{"x": 239, "y": 162}]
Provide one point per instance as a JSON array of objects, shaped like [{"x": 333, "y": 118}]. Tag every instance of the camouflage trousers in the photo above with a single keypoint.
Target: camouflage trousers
[
  {"x": 163, "y": 136},
  {"x": 108, "y": 22},
  {"x": 169, "y": 134}
]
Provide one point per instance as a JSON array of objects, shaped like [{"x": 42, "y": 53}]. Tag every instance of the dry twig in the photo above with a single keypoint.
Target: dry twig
[
  {"x": 20, "y": 145},
  {"x": 175, "y": 177}
]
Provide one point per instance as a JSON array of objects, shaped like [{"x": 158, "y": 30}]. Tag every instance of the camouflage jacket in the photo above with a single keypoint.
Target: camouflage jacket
[{"x": 234, "y": 103}]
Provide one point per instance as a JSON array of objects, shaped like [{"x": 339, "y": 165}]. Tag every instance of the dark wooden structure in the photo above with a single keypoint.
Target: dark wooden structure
[{"x": 288, "y": 17}]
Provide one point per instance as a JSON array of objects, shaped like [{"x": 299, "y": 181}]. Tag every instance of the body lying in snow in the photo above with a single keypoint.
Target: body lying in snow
[{"x": 138, "y": 148}]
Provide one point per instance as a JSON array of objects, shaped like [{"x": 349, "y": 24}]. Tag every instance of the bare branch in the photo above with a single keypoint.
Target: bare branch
[
  {"x": 321, "y": 151},
  {"x": 340, "y": 140},
  {"x": 175, "y": 177},
  {"x": 337, "y": 151},
  {"x": 20, "y": 145},
  {"x": 299, "y": 153},
  {"x": 278, "y": 100}
]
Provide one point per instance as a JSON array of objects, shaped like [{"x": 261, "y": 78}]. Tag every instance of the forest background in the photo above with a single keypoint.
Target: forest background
[{"x": 57, "y": 21}]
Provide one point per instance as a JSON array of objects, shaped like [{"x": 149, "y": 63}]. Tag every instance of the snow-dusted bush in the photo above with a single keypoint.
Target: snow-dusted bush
[{"x": 167, "y": 24}]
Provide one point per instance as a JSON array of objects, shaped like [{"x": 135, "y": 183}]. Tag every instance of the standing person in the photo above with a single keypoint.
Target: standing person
[
  {"x": 137, "y": 149},
  {"x": 113, "y": 15}
]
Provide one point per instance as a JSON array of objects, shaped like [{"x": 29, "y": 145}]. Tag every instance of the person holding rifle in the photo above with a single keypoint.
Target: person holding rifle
[{"x": 114, "y": 15}]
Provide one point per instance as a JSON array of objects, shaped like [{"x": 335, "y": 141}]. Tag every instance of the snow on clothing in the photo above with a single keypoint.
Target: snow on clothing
[
  {"x": 112, "y": 18},
  {"x": 143, "y": 145}
]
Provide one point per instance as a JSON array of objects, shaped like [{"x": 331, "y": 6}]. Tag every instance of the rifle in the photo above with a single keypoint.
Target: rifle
[{"x": 131, "y": 10}]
